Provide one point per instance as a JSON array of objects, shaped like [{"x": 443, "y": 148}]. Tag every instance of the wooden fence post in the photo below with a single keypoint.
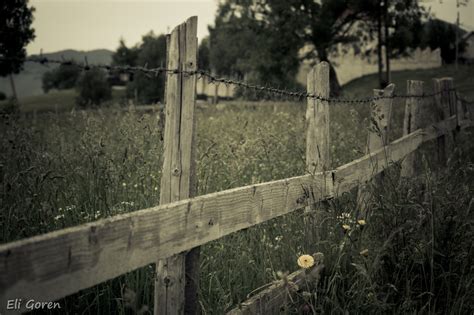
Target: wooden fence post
[
  {"x": 317, "y": 129},
  {"x": 415, "y": 118},
  {"x": 445, "y": 100},
  {"x": 177, "y": 181},
  {"x": 379, "y": 129}
]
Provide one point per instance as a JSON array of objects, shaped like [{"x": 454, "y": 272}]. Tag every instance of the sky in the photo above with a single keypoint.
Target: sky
[{"x": 95, "y": 24}]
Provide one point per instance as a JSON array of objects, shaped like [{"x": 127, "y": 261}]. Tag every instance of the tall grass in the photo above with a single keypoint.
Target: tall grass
[{"x": 65, "y": 169}]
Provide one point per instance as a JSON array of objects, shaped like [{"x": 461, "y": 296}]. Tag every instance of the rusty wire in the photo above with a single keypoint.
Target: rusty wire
[{"x": 213, "y": 79}]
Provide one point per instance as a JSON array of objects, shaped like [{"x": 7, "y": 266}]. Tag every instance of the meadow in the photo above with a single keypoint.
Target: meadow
[{"x": 63, "y": 168}]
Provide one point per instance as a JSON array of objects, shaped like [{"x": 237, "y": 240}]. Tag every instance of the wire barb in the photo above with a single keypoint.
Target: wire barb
[{"x": 154, "y": 72}]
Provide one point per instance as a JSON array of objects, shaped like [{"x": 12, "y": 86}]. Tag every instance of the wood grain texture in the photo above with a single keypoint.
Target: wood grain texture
[
  {"x": 414, "y": 119},
  {"x": 178, "y": 177},
  {"x": 56, "y": 264},
  {"x": 317, "y": 120},
  {"x": 443, "y": 98},
  {"x": 270, "y": 300},
  {"x": 317, "y": 139}
]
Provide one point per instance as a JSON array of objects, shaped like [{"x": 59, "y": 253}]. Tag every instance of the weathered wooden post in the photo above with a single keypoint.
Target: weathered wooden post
[
  {"x": 445, "y": 100},
  {"x": 415, "y": 118},
  {"x": 317, "y": 128},
  {"x": 379, "y": 129},
  {"x": 177, "y": 181}
]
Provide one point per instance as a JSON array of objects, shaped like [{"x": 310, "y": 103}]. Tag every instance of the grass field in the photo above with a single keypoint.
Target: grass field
[
  {"x": 57, "y": 100},
  {"x": 62, "y": 169}
]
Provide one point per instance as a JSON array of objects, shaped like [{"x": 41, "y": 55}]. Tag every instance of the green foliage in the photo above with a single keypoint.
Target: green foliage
[
  {"x": 93, "y": 88},
  {"x": 15, "y": 25},
  {"x": 62, "y": 78},
  {"x": 274, "y": 61},
  {"x": 204, "y": 54},
  {"x": 439, "y": 34},
  {"x": 125, "y": 56},
  {"x": 151, "y": 52}
]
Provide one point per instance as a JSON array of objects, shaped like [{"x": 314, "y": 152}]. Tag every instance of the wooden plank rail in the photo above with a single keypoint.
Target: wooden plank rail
[
  {"x": 346, "y": 177},
  {"x": 51, "y": 266}
]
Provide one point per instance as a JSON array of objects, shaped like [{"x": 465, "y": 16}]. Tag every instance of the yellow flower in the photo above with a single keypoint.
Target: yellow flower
[
  {"x": 305, "y": 261},
  {"x": 364, "y": 253},
  {"x": 346, "y": 227},
  {"x": 361, "y": 222}
]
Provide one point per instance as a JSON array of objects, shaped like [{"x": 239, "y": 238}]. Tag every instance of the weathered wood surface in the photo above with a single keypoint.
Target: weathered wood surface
[
  {"x": 380, "y": 120},
  {"x": 56, "y": 264},
  {"x": 415, "y": 118},
  {"x": 270, "y": 300},
  {"x": 177, "y": 180},
  {"x": 443, "y": 98},
  {"x": 317, "y": 139},
  {"x": 317, "y": 120}
]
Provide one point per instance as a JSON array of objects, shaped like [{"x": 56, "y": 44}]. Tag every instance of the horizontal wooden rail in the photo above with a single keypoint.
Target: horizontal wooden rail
[
  {"x": 50, "y": 266},
  {"x": 271, "y": 299}
]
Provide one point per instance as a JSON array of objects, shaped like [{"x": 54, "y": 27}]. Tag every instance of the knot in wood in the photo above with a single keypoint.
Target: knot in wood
[
  {"x": 176, "y": 172},
  {"x": 301, "y": 199}
]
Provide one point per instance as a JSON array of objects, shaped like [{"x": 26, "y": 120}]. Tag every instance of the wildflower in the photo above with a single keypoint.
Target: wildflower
[
  {"x": 346, "y": 227},
  {"x": 156, "y": 188},
  {"x": 124, "y": 184},
  {"x": 361, "y": 222},
  {"x": 59, "y": 217},
  {"x": 278, "y": 238},
  {"x": 364, "y": 253},
  {"x": 305, "y": 261}
]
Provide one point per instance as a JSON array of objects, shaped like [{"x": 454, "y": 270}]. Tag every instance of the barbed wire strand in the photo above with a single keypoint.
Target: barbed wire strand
[{"x": 213, "y": 79}]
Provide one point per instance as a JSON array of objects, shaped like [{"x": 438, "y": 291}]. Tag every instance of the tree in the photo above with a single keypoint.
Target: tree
[
  {"x": 287, "y": 26},
  {"x": 151, "y": 53},
  {"x": 16, "y": 32},
  {"x": 93, "y": 88},
  {"x": 204, "y": 54},
  {"x": 442, "y": 35},
  {"x": 398, "y": 27},
  {"x": 241, "y": 45},
  {"x": 125, "y": 56},
  {"x": 61, "y": 78}
]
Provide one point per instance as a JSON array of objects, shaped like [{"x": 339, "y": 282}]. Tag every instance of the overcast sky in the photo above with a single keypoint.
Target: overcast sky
[{"x": 94, "y": 24}]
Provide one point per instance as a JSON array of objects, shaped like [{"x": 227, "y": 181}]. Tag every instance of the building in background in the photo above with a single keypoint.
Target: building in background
[{"x": 467, "y": 56}]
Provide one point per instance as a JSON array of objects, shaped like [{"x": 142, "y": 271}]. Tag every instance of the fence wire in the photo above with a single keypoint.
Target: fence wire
[{"x": 214, "y": 79}]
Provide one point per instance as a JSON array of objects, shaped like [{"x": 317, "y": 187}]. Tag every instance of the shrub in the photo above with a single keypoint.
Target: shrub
[{"x": 93, "y": 88}]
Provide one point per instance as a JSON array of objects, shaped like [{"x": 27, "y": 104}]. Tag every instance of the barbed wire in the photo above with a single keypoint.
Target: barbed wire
[{"x": 213, "y": 79}]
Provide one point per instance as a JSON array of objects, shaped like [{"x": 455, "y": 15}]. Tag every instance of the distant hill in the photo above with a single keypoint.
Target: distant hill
[{"x": 28, "y": 82}]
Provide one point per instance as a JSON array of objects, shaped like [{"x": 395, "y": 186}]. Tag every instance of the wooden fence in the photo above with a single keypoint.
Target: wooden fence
[{"x": 51, "y": 266}]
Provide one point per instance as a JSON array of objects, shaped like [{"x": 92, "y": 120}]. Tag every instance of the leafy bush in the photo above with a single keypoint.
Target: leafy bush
[
  {"x": 61, "y": 78},
  {"x": 93, "y": 88}
]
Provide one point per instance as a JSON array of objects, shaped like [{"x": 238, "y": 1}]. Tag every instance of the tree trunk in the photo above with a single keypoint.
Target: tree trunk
[
  {"x": 387, "y": 46},
  {"x": 12, "y": 83},
  {"x": 379, "y": 48}
]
